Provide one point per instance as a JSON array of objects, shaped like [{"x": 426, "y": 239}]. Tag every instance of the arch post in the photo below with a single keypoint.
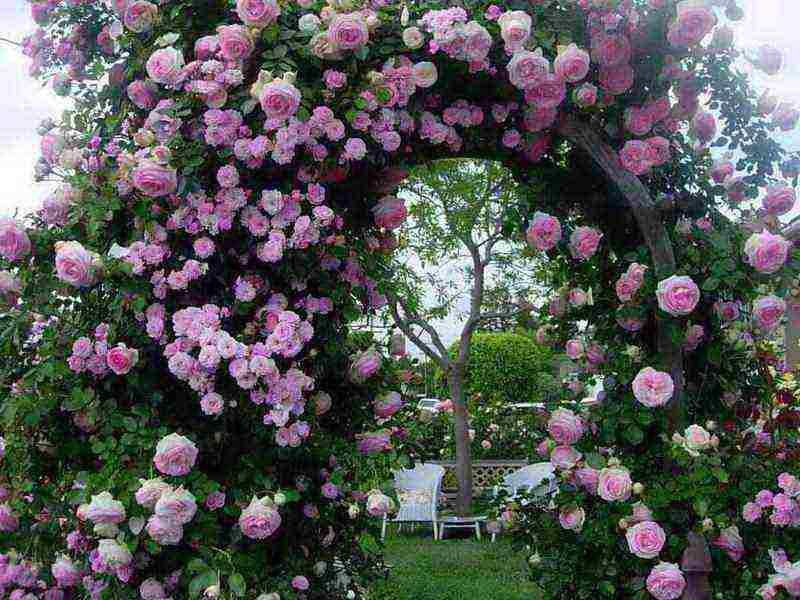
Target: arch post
[{"x": 696, "y": 566}]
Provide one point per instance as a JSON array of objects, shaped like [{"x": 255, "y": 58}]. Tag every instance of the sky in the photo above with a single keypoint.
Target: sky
[{"x": 24, "y": 103}]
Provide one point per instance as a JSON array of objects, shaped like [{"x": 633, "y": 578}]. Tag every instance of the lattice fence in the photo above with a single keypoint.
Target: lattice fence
[{"x": 485, "y": 474}]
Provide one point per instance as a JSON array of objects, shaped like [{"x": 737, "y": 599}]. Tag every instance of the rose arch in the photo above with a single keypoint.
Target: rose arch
[{"x": 178, "y": 391}]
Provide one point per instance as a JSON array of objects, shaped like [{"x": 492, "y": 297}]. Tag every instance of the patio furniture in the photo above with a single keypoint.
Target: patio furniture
[
  {"x": 417, "y": 495},
  {"x": 538, "y": 479},
  {"x": 446, "y": 523}
]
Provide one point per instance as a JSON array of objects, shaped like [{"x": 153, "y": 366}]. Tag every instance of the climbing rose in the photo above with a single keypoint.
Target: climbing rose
[
  {"x": 260, "y": 519},
  {"x": 653, "y": 388},
  {"x": 565, "y": 427},
  {"x": 694, "y": 335},
  {"x": 9, "y": 522},
  {"x": 572, "y": 518},
  {"x": 694, "y": 21},
  {"x": 150, "y": 491},
  {"x": 704, "y": 126},
  {"x": 365, "y": 365},
  {"x": 769, "y": 59},
  {"x": 390, "y": 212},
  {"x": 279, "y": 100},
  {"x": 544, "y": 231},
  {"x": 379, "y": 504},
  {"x": 636, "y": 157},
  {"x": 515, "y": 29},
  {"x": 104, "y": 509},
  {"x": 122, "y": 359},
  {"x": 779, "y": 200},
  {"x": 175, "y": 455},
  {"x": 178, "y": 505},
  {"x": 65, "y": 572},
  {"x": 75, "y": 265},
  {"x": 151, "y": 589},
  {"x": 583, "y": 242},
  {"x": 572, "y": 64},
  {"x": 374, "y": 442},
  {"x": 258, "y": 13},
  {"x": 114, "y": 554},
  {"x": 387, "y": 404},
  {"x": 424, "y": 74},
  {"x": 768, "y": 311},
  {"x": 575, "y": 349},
  {"x": 677, "y": 295},
  {"x": 140, "y": 16},
  {"x": 348, "y": 31},
  {"x": 164, "y": 531},
  {"x": 235, "y": 42},
  {"x": 565, "y": 457},
  {"x": 153, "y": 179},
  {"x": 143, "y": 94},
  {"x": 766, "y": 252},
  {"x": 730, "y": 542},
  {"x": 614, "y": 484},
  {"x": 585, "y": 95},
  {"x": 526, "y": 69},
  {"x": 164, "y": 65},
  {"x": 666, "y": 582},
  {"x": 646, "y": 539},
  {"x": 14, "y": 242}
]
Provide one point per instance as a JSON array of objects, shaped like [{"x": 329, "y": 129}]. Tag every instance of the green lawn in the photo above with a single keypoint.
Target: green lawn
[{"x": 453, "y": 569}]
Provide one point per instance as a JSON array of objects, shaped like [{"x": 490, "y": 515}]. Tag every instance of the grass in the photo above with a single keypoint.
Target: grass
[{"x": 453, "y": 569}]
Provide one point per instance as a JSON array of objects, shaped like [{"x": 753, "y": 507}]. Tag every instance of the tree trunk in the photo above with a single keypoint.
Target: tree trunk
[{"x": 455, "y": 380}]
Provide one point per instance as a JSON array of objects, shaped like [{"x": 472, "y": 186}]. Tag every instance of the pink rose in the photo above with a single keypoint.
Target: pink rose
[
  {"x": 721, "y": 170},
  {"x": 577, "y": 297},
  {"x": 390, "y": 212},
  {"x": 165, "y": 532},
  {"x": 206, "y": 47},
  {"x": 348, "y": 31},
  {"x": 546, "y": 94},
  {"x": 614, "y": 484},
  {"x": 769, "y": 59},
  {"x": 646, "y": 539},
  {"x": 65, "y": 572},
  {"x": 677, "y": 295},
  {"x": 153, "y": 179},
  {"x": 14, "y": 242},
  {"x": 617, "y": 80},
  {"x": 150, "y": 491},
  {"x": 10, "y": 287},
  {"x": 75, "y": 265},
  {"x": 140, "y": 16},
  {"x": 653, "y": 388},
  {"x": 585, "y": 95},
  {"x": 636, "y": 157},
  {"x": 768, "y": 312},
  {"x": 779, "y": 200},
  {"x": 212, "y": 404},
  {"x": 575, "y": 349},
  {"x": 611, "y": 50},
  {"x": 786, "y": 116},
  {"x": 374, "y": 442},
  {"x": 378, "y": 504},
  {"x": 572, "y": 64},
  {"x": 176, "y": 505},
  {"x": 751, "y": 512},
  {"x": 544, "y": 231},
  {"x": 727, "y": 311},
  {"x": 666, "y": 582},
  {"x": 526, "y": 69},
  {"x": 258, "y": 13},
  {"x": 280, "y": 100},
  {"x": 572, "y": 518},
  {"x": 235, "y": 42},
  {"x": 175, "y": 455},
  {"x": 477, "y": 43},
  {"x": 630, "y": 282},
  {"x": 730, "y": 541},
  {"x": 565, "y": 427},
  {"x": 386, "y": 405},
  {"x": 9, "y": 521},
  {"x": 766, "y": 252},
  {"x": 637, "y": 120},
  {"x": 164, "y": 65},
  {"x": 704, "y": 126},
  {"x": 515, "y": 29},
  {"x": 694, "y": 335},
  {"x": 122, "y": 359},
  {"x": 587, "y": 478},
  {"x": 143, "y": 94},
  {"x": 565, "y": 457},
  {"x": 694, "y": 21},
  {"x": 365, "y": 365},
  {"x": 658, "y": 150},
  {"x": 583, "y": 242}
]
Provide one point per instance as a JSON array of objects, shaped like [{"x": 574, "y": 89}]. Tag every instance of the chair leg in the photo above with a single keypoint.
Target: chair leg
[
  {"x": 494, "y": 537},
  {"x": 383, "y": 529},
  {"x": 478, "y": 530},
  {"x": 435, "y": 534}
]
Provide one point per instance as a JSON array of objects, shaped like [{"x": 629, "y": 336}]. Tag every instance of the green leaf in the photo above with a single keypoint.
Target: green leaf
[
  {"x": 200, "y": 582},
  {"x": 237, "y": 584},
  {"x": 710, "y": 284}
]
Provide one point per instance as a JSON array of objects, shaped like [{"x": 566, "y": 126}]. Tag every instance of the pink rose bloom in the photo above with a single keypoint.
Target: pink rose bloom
[
  {"x": 595, "y": 355},
  {"x": 122, "y": 359},
  {"x": 764, "y": 498},
  {"x": 617, "y": 80},
  {"x": 786, "y": 116},
  {"x": 677, "y": 295},
  {"x": 666, "y": 582},
  {"x": 636, "y": 157},
  {"x": 694, "y": 21},
  {"x": 300, "y": 583},
  {"x": 9, "y": 522},
  {"x": 614, "y": 484},
  {"x": 103, "y": 509},
  {"x": 659, "y": 150},
  {"x": 583, "y": 242},
  {"x": 653, "y": 388},
  {"x": 628, "y": 285},
  {"x": 768, "y": 312},
  {"x": 75, "y": 265},
  {"x": 572, "y": 519},
  {"x": 215, "y": 500},
  {"x": 164, "y": 531},
  {"x": 694, "y": 335},
  {"x": 177, "y": 505},
  {"x": 704, "y": 126},
  {"x": 212, "y": 404},
  {"x": 515, "y": 29},
  {"x": 365, "y": 365},
  {"x": 727, "y": 311},
  {"x": 10, "y": 287},
  {"x": 140, "y": 16},
  {"x": 151, "y": 589},
  {"x": 611, "y": 50},
  {"x": 260, "y": 519},
  {"x": 65, "y": 572},
  {"x": 572, "y": 64},
  {"x": 544, "y": 232},
  {"x": 577, "y": 297},
  {"x": 390, "y": 212},
  {"x": 258, "y": 13},
  {"x": 206, "y": 47},
  {"x": 143, "y": 94},
  {"x": 477, "y": 43},
  {"x": 585, "y": 95},
  {"x": 386, "y": 405},
  {"x": 348, "y": 31},
  {"x": 14, "y": 242},
  {"x": 779, "y": 200},
  {"x": 637, "y": 120},
  {"x": 769, "y": 59},
  {"x": 279, "y": 100},
  {"x": 175, "y": 455},
  {"x": 575, "y": 349},
  {"x": 730, "y": 541},
  {"x": 721, "y": 170},
  {"x": 526, "y": 69},
  {"x": 378, "y": 504},
  {"x": 587, "y": 478},
  {"x": 150, "y": 491},
  {"x": 374, "y": 442},
  {"x": 546, "y": 94},
  {"x": 565, "y": 457},
  {"x": 153, "y": 179},
  {"x": 646, "y": 539},
  {"x": 751, "y": 512},
  {"x": 235, "y": 42},
  {"x": 164, "y": 65},
  {"x": 565, "y": 427},
  {"x": 766, "y": 252}
]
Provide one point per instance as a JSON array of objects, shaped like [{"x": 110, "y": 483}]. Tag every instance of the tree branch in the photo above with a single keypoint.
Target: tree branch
[
  {"x": 411, "y": 318},
  {"x": 12, "y": 42}
]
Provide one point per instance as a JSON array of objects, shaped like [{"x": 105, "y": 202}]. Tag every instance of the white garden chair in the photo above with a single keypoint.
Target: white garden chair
[
  {"x": 417, "y": 495},
  {"x": 538, "y": 479}
]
